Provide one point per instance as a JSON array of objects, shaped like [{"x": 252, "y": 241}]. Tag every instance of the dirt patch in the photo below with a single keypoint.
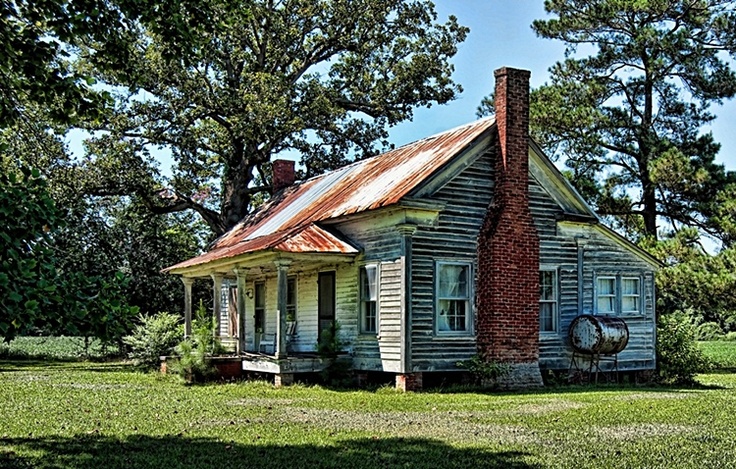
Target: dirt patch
[{"x": 639, "y": 431}]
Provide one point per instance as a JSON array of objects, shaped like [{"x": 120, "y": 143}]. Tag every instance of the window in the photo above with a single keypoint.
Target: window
[
  {"x": 606, "y": 295},
  {"x": 369, "y": 299},
  {"x": 453, "y": 298},
  {"x": 260, "y": 306},
  {"x": 618, "y": 295},
  {"x": 630, "y": 294},
  {"x": 548, "y": 300},
  {"x": 291, "y": 299}
]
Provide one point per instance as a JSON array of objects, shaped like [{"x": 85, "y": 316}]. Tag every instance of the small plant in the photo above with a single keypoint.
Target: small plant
[
  {"x": 153, "y": 337},
  {"x": 193, "y": 351},
  {"x": 709, "y": 331},
  {"x": 330, "y": 344},
  {"x": 484, "y": 372},
  {"x": 678, "y": 355}
]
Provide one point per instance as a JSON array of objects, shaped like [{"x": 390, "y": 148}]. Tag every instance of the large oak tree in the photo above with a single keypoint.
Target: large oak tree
[{"x": 244, "y": 81}]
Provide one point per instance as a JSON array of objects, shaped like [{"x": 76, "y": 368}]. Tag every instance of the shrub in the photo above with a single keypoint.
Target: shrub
[
  {"x": 678, "y": 356},
  {"x": 484, "y": 372},
  {"x": 730, "y": 336},
  {"x": 193, "y": 351},
  {"x": 709, "y": 331},
  {"x": 153, "y": 337}
]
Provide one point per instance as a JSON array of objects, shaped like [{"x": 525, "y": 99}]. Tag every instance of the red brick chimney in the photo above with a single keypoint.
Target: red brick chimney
[
  {"x": 507, "y": 283},
  {"x": 282, "y": 174}
]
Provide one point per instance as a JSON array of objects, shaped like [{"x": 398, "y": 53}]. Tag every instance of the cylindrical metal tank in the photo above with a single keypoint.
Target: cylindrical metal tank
[{"x": 595, "y": 335}]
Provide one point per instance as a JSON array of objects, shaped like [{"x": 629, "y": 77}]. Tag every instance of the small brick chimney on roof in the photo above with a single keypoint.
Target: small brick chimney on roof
[
  {"x": 507, "y": 283},
  {"x": 282, "y": 174}
]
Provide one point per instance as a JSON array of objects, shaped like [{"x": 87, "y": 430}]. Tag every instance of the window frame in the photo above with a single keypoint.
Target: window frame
[
  {"x": 292, "y": 308},
  {"x": 257, "y": 308},
  {"x": 618, "y": 303},
  {"x": 555, "y": 301},
  {"x": 638, "y": 311},
  {"x": 467, "y": 298},
  {"x": 363, "y": 302}
]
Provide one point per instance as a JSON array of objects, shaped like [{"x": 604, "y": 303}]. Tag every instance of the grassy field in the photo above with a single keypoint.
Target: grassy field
[
  {"x": 54, "y": 348},
  {"x": 90, "y": 415},
  {"x": 721, "y": 352}
]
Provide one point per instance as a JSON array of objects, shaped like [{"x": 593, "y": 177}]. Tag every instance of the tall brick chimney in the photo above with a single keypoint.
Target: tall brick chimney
[
  {"x": 507, "y": 283},
  {"x": 282, "y": 174}
]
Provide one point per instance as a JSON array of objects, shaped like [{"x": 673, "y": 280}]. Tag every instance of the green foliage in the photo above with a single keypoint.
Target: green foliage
[
  {"x": 28, "y": 277},
  {"x": 694, "y": 281},
  {"x": 330, "y": 343},
  {"x": 484, "y": 371},
  {"x": 709, "y": 331},
  {"x": 193, "y": 351},
  {"x": 56, "y": 348},
  {"x": 154, "y": 336},
  {"x": 233, "y": 84},
  {"x": 678, "y": 355},
  {"x": 629, "y": 116}
]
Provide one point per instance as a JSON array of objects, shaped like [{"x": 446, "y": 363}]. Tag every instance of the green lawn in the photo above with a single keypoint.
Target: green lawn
[
  {"x": 721, "y": 352},
  {"x": 90, "y": 415}
]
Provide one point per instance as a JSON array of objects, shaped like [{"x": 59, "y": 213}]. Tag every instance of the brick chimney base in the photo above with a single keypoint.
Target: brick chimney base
[{"x": 521, "y": 376}]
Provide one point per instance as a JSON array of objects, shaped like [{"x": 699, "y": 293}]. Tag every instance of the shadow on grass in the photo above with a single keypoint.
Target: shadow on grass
[{"x": 88, "y": 452}]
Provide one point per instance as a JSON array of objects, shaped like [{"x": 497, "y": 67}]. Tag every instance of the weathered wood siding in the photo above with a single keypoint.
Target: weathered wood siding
[
  {"x": 454, "y": 238},
  {"x": 382, "y": 246}
]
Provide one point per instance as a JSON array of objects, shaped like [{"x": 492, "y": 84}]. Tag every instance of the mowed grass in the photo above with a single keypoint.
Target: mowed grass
[
  {"x": 91, "y": 415},
  {"x": 721, "y": 352},
  {"x": 54, "y": 348}
]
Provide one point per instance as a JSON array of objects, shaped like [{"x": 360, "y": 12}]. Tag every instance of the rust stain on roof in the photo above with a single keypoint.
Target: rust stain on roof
[{"x": 287, "y": 222}]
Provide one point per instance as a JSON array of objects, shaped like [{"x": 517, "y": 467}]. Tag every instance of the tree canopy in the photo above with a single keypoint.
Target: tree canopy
[
  {"x": 627, "y": 106},
  {"x": 253, "y": 79}
]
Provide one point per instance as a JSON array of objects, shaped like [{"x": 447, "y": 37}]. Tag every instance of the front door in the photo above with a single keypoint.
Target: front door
[{"x": 326, "y": 302}]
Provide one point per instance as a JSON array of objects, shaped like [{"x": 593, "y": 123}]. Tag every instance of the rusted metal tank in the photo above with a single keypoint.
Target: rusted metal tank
[{"x": 595, "y": 335}]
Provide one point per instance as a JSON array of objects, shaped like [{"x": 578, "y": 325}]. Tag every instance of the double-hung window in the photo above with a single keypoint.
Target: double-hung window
[
  {"x": 453, "y": 286},
  {"x": 548, "y": 317},
  {"x": 617, "y": 294},
  {"x": 291, "y": 299},
  {"x": 369, "y": 299}
]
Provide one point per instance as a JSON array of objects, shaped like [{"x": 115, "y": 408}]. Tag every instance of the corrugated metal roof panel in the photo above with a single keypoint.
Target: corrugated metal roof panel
[{"x": 287, "y": 220}]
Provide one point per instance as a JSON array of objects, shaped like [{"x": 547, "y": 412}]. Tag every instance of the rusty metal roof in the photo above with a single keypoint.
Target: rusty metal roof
[{"x": 288, "y": 221}]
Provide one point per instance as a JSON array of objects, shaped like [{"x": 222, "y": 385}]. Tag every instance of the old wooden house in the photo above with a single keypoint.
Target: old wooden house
[{"x": 466, "y": 242}]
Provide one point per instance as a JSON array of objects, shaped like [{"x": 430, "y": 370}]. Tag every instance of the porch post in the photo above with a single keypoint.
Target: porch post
[
  {"x": 241, "y": 274},
  {"x": 187, "y": 305},
  {"x": 217, "y": 301},
  {"x": 282, "y": 265}
]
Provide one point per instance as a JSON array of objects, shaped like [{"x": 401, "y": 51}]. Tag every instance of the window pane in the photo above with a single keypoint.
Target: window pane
[
  {"x": 630, "y": 303},
  {"x": 630, "y": 286},
  {"x": 606, "y": 304},
  {"x": 606, "y": 286},
  {"x": 452, "y": 315},
  {"x": 453, "y": 281},
  {"x": 546, "y": 317}
]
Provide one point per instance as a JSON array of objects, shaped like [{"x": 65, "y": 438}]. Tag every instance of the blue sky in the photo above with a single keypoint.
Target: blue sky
[{"x": 501, "y": 35}]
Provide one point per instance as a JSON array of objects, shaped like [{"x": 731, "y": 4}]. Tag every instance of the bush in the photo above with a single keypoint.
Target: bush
[
  {"x": 193, "y": 352},
  {"x": 709, "y": 331},
  {"x": 155, "y": 336},
  {"x": 731, "y": 336},
  {"x": 484, "y": 372},
  {"x": 678, "y": 355}
]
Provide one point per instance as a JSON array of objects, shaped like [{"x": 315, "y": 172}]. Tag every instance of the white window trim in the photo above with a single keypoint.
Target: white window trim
[
  {"x": 469, "y": 325},
  {"x": 361, "y": 312},
  {"x": 556, "y": 293},
  {"x": 615, "y": 296}
]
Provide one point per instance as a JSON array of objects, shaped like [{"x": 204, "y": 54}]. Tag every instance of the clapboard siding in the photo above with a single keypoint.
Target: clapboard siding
[{"x": 454, "y": 237}]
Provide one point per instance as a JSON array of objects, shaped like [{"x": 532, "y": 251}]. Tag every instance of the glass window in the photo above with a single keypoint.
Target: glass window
[
  {"x": 291, "y": 299},
  {"x": 548, "y": 300},
  {"x": 606, "y": 295},
  {"x": 453, "y": 298},
  {"x": 630, "y": 294},
  {"x": 369, "y": 299},
  {"x": 260, "y": 306}
]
